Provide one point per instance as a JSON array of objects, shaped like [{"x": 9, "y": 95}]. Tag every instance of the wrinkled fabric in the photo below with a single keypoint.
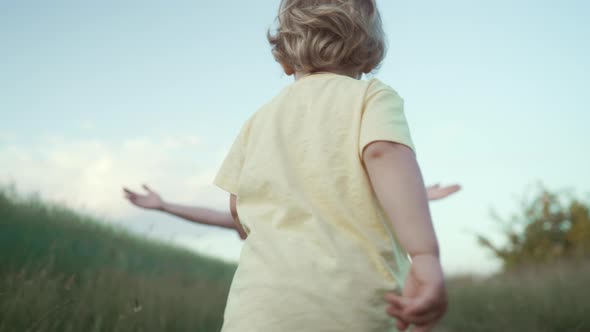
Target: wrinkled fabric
[{"x": 320, "y": 252}]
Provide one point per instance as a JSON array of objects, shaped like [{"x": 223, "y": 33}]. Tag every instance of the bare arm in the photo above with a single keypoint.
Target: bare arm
[
  {"x": 397, "y": 182},
  {"x": 199, "y": 215},
  {"x": 153, "y": 201}
]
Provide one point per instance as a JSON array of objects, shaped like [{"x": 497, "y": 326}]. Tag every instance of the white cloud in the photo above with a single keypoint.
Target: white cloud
[
  {"x": 6, "y": 135},
  {"x": 87, "y": 124},
  {"x": 89, "y": 174}
]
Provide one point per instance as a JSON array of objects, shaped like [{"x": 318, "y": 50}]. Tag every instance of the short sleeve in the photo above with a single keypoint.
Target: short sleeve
[
  {"x": 383, "y": 118},
  {"x": 228, "y": 176}
]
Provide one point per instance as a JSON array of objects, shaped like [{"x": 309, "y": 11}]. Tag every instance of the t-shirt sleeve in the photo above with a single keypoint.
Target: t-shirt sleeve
[
  {"x": 383, "y": 118},
  {"x": 228, "y": 176}
]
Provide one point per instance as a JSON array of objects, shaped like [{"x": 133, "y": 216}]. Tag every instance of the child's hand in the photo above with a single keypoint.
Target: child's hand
[
  {"x": 436, "y": 192},
  {"x": 424, "y": 298},
  {"x": 151, "y": 201}
]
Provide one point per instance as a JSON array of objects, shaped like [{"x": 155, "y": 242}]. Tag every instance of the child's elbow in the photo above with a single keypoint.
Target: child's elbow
[{"x": 380, "y": 149}]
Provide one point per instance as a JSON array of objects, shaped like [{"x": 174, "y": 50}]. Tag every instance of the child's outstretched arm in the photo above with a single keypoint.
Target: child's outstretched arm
[
  {"x": 397, "y": 182},
  {"x": 153, "y": 201}
]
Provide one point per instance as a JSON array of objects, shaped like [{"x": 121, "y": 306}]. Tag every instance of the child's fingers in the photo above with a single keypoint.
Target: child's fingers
[
  {"x": 395, "y": 311},
  {"x": 401, "y": 325},
  {"x": 147, "y": 188},
  {"x": 451, "y": 189},
  {"x": 395, "y": 307},
  {"x": 420, "y": 306},
  {"x": 430, "y": 301},
  {"x": 423, "y": 328},
  {"x": 413, "y": 319},
  {"x": 425, "y": 309},
  {"x": 406, "y": 308},
  {"x": 402, "y": 312},
  {"x": 129, "y": 192},
  {"x": 396, "y": 300},
  {"x": 430, "y": 317}
]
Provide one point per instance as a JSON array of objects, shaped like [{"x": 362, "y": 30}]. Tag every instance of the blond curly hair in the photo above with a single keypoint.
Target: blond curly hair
[{"x": 328, "y": 35}]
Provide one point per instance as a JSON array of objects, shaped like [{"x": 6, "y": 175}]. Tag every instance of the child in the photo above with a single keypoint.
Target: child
[
  {"x": 324, "y": 181},
  {"x": 203, "y": 215}
]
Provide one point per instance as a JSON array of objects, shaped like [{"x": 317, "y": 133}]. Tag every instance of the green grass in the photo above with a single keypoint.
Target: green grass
[
  {"x": 63, "y": 271},
  {"x": 537, "y": 299}
]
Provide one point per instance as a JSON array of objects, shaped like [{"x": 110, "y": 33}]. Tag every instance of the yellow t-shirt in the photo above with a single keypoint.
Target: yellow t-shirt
[{"x": 320, "y": 252}]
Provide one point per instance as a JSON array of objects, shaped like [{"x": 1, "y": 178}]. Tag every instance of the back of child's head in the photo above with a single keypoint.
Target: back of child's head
[{"x": 328, "y": 35}]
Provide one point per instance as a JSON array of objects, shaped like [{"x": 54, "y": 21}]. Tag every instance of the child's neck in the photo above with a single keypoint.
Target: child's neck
[{"x": 300, "y": 74}]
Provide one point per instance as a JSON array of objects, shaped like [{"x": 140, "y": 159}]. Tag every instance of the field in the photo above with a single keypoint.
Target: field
[
  {"x": 545, "y": 299},
  {"x": 62, "y": 271}
]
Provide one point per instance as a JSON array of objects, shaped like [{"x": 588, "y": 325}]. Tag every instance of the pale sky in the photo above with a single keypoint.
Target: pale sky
[{"x": 94, "y": 96}]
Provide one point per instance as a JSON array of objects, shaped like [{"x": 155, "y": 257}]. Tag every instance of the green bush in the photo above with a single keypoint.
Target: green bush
[{"x": 549, "y": 228}]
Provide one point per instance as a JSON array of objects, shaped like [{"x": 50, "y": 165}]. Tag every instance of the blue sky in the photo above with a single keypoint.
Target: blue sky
[{"x": 94, "y": 96}]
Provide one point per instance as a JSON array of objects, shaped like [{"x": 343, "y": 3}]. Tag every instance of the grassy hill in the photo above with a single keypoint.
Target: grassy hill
[{"x": 61, "y": 271}]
